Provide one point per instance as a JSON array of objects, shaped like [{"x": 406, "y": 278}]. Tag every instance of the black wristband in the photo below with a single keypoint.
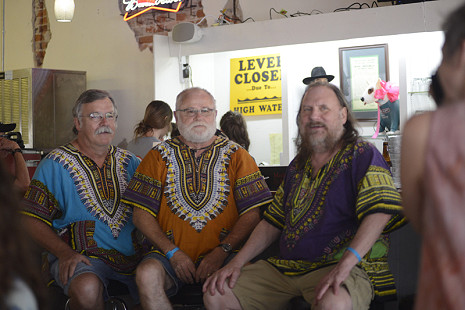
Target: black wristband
[{"x": 16, "y": 151}]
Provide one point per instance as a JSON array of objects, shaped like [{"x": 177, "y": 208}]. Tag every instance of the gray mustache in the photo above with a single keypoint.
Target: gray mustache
[
  {"x": 311, "y": 124},
  {"x": 104, "y": 129}
]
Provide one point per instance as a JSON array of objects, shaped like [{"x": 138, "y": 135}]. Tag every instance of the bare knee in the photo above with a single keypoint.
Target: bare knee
[
  {"x": 227, "y": 301},
  {"x": 332, "y": 305},
  {"x": 151, "y": 273},
  {"x": 86, "y": 292},
  {"x": 152, "y": 282},
  {"x": 211, "y": 301},
  {"x": 342, "y": 301}
]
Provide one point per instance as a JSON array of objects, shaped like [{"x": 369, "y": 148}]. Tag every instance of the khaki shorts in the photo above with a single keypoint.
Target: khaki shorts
[{"x": 262, "y": 286}]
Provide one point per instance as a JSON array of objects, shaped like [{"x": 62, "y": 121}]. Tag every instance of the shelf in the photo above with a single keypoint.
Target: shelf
[{"x": 417, "y": 92}]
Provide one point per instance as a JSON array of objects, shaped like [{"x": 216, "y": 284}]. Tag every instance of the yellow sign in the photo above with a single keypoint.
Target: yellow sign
[{"x": 256, "y": 85}]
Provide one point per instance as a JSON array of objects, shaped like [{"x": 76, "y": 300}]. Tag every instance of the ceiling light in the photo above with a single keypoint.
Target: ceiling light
[{"x": 64, "y": 10}]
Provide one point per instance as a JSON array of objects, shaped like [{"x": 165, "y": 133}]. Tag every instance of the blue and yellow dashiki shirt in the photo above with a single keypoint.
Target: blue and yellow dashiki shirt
[
  {"x": 319, "y": 216},
  {"x": 82, "y": 203}
]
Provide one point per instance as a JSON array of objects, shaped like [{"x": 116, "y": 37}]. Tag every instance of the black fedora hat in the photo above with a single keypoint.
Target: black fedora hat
[
  {"x": 318, "y": 73},
  {"x": 7, "y": 127}
]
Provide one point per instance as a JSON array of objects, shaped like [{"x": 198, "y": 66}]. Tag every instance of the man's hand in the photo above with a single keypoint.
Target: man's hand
[
  {"x": 332, "y": 280},
  {"x": 183, "y": 266},
  {"x": 210, "y": 263},
  {"x": 7, "y": 146},
  {"x": 67, "y": 264},
  {"x": 215, "y": 282}
]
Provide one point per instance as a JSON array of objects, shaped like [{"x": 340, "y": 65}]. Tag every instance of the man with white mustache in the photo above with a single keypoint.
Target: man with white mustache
[
  {"x": 73, "y": 207},
  {"x": 331, "y": 215},
  {"x": 196, "y": 198}
]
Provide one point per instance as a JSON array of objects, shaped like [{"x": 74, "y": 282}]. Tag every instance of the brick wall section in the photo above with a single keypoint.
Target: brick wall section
[
  {"x": 158, "y": 22},
  {"x": 41, "y": 34}
]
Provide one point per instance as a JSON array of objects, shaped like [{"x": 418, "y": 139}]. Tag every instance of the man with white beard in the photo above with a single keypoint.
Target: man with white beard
[
  {"x": 196, "y": 198},
  {"x": 73, "y": 207}
]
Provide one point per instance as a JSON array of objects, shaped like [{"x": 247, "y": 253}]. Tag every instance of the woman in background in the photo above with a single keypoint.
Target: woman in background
[
  {"x": 433, "y": 178},
  {"x": 174, "y": 130},
  {"x": 152, "y": 129},
  {"x": 21, "y": 287},
  {"x": 233, "y": 125}
]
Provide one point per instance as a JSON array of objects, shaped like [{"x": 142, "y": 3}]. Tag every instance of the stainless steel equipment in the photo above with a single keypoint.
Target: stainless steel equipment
[
  {"x": 40, "y": 101},
  {"x": 394, "y": 145}
]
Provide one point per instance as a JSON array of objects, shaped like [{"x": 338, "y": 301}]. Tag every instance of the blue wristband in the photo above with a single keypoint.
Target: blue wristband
[
  {"x": 355, "y": 253},
  {"x": 171, "y": 253}
]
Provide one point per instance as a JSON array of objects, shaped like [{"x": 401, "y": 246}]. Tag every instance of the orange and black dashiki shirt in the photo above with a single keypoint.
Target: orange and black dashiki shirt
[{"x": 197, "y": 200}]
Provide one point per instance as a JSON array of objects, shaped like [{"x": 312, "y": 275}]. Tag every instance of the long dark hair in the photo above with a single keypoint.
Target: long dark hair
[
  {"x": 350, "y": 134},
  {"x": 18, "y": 256},
  {"x": 235, "y": 128}
]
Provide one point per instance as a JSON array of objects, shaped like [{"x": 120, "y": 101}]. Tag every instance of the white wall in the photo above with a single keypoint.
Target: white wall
[
  {"x": 420, "y": 51},
  {"x": 413, "y": 52},
  {"x": 97, "y": 41},
  {"x": 260, "y": 9}
]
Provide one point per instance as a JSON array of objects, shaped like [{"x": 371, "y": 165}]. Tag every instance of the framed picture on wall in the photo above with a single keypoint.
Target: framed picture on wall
[{"x": 359, "y": 68}]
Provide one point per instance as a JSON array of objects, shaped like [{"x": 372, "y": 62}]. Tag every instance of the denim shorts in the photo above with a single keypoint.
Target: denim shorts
[
  {"x": 104, "y": 272},
  {"x": 178, "y": 284}
]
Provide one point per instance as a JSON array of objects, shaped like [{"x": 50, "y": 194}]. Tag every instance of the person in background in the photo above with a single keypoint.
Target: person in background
[
  {"x": 196, "y": 198},
  {"x": 21, "y": 286},
  {"x": 174, "y": 130},
  {"x": 318, "y": 75},
  {"x": 11, "y": 154},
  {"x": 152, "y": 129},
  {"x": 73, "y": 207},
  {"x": 433, "y": 177},
  {"x": 331, "y": 214},
  {"x": 235, "y": 128}
]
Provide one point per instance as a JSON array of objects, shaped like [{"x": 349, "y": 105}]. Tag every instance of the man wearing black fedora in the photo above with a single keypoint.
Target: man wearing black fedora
[
  {"x": 318, "y": 74},
  {"x": 12, "y": 157}
]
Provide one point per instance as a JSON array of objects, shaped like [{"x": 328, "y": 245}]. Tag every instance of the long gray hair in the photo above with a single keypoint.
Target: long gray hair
[{"x": 349, "y": 136}]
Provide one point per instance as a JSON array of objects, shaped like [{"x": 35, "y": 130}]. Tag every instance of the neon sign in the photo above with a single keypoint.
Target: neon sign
[{"x": 132, "y": 5}]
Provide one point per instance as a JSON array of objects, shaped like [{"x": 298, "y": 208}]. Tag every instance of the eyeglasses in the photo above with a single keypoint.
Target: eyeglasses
[
  {"x": 98, "y": 117},
  {"x": 193, "y": 112}
]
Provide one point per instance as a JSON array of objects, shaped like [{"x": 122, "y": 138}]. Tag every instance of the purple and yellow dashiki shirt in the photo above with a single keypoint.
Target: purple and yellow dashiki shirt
[
  {"x": 320, "y": 216},
  {"x": 197, "y": 201},
  {"x": 82, "y": 203}
]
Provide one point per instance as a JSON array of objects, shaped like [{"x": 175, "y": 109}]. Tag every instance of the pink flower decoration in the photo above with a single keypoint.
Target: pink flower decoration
[{"x": 388, "y": 89}]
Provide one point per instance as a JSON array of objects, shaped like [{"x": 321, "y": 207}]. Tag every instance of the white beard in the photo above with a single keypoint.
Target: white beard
[{"x": 194, "y": 136}]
